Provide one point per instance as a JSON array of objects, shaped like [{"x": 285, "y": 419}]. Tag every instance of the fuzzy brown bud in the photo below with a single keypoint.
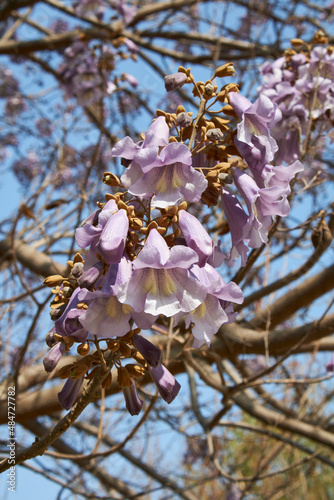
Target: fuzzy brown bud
[
  {"x": 225, "y": 70},
  {"x": 123, "y": 377},
  {"x": 135, "y": 371},
  {"x": 111, "y": 179},
  {"x": 54, "y": 280},
  {"x": 124, "y": 349},
  {"x": 83, "y": 349}
]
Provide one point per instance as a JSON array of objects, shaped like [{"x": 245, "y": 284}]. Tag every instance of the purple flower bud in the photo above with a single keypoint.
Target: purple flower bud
[
  {"x": 215, "y": 134},
  {"x": 174, "y": 81},
  {"x": 49, "y": 338},
  {"x": 57, "y": 313},
  {"x": 52, "y": 358},
  {"x": 131, "y": 79},
  {"x": 150, "y": 352},
  {"x": 167, "y": 385},
  {"x": 183, "y": 119},
  {"x": 196, "y": 236},
  {"x": 90, "y": 276},
  {"x": 132, "y": 401},
  {"x": 330, "y": 366},
  {"x": 113, "y": 237},
  {"x": 69, "y": 392}
]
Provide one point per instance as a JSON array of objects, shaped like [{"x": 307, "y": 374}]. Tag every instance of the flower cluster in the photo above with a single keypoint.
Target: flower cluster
[
  {"x": 265, "y": 190},
  {"x": 82, "y": 75},
  {"x": 301, "y": 83},
  {"x": 148, "y": 256},
  {"x": 87, "y": 75}
]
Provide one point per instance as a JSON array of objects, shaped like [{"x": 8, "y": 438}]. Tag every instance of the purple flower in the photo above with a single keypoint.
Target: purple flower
[
  {"x": 127, "y": 12},
  {"x": 106, "y": 317},
  {"x": 90, "y": 7},
  {"x": 104, "y": 231},
  {"x": 131, "y": 79},
  {"x": 89, "y": 277},
  {"x": 68, "y": 325},
  {"x": 262, "y": 204},
  {"x": 155, "y": 137},
  {"x": 160, "y": 282},
  {"x": 215, "y": 310},
  {"x": 70, "y": 392},
  {"x": 280, "y": 176},
  {"x": 132, "y": 401},
  {"x": 169, "y": 176},
  {"x": 165, "y": 382},
  {"x": 149, "y": 351},
  {"x": 253, "y": 138},
  {"x": 160, "y": 169}
]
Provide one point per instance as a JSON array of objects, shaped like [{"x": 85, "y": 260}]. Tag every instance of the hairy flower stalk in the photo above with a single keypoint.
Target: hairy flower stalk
[{"x": 148, "y": 256}]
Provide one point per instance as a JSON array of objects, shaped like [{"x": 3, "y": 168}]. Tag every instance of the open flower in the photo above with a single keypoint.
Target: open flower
[
  {"x": 160, "y": 282},
  {"x": 253, "y": 137},
  {"x": 168, "y": 176},
  {"x": 215, "y": 310},
  {"x": 105, "y": 232}
]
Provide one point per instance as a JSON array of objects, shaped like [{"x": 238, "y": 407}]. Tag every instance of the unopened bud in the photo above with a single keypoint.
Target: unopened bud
[
  {"x": 57, "y": 312},
  {"x": 113, "y": 345},
  {"x": 183, "y": 206},
  {"x": 180, "y": 109},
  {"x": 209, "y": 89},
  {"x": 215, "y": 134},
  {"x": 124, "y": 349},
  {"x": 83, "y": 349},
  {"x": 54, "y": 280},
  {"x": 123, "y": 377},
  {"x": 135, "y": 371},
  {"x": 229, "y": 111},
  {"x": 64, "y": 372},
  {"x": 111, "y": 179},
  {"x": 136, "y": 223},
  {"x": 183, "y": 119},
  {"x": 78, "y": 258},
  {"x": 225, "y": 70},
  {"x": 297, "y": 41},
  {"x": 174, "y": 81},
  {"x": 121, "y": 205}
]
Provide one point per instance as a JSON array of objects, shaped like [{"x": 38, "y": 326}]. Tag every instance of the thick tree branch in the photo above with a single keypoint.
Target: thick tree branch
[
  {"x": 32, "y": 259},
  {"x": 231, "y": 340},
  {"x": 300, "y": 296},
  {"x": 294, "y": 275}
]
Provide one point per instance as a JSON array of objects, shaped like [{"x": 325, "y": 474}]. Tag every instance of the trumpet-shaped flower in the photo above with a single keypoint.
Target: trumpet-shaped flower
[
  {"x": 168, "y": 176},
  {"x": 161, "y": 282},
  {"x": 215, "y": 310}
]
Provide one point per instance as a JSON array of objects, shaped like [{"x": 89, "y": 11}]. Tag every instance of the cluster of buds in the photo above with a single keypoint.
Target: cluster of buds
[{"x": 149, "y": 257}]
